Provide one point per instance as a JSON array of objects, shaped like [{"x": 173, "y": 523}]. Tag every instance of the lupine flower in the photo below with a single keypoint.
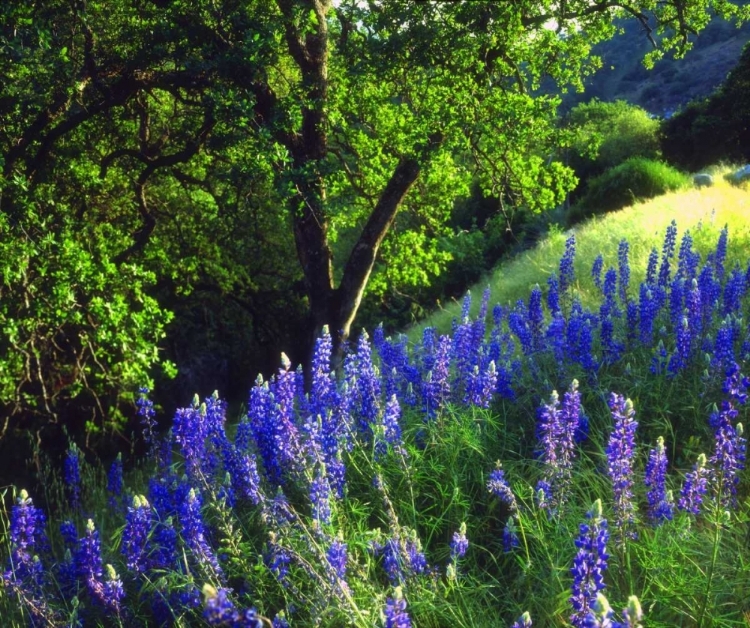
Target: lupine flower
[
  {"x": 734, "y": 291},
  {"x": 518, "y": 322},
  {"x": 510, "y": 535},
  {"x": 620, "y": 455},
  {"x": 729, "y": 455},
  {"x": 553, "y": 295},
  {"x": 556, "y": 429},
  {"x": 660, "y": 504},
  {"x": 26, "y": 575},
  {"x": 220, "y": 611},
  {"x": 596, "y": 271},
  {"x": 114, "y": 482},
  {"x": 135, "y": 534},
  {"x": 147, "y": 413},
  {"x": 536, "y": 318},
  {"x": 681, "y": 357},
  {"x": 499, "y": 487},
  {"x": 390, "y": 433},
  {"x": 89, "y": 568},
  {"x": 524, "y": 621},
  {"x": 395, "y": 615},
  {"x": 589, "y": 564},
  {"x": 320, "y": 497},
  {"x": 162, "y": 546},
  {"x": 720, "y": 255},
  {"x": 670, "y": 240},
  {"x": 481, "y": 385},
  {"x": 647, "y": 313},
  {"x": 688, "y": 260},
  {"x": 459, "y": 543},
  {"x": 337, "y": 559},
  {"x": 695, "y": 487},
  {"x": 623, "y": 269},
  {"x": 364, "y": 386},
  {"x": 72, "y": 472},
  {"x": 194, "y": 532},
  {"x": 567, "y": 272},
  {"x": 190, "y": 431},
  {"x": 277, "y": 559}
]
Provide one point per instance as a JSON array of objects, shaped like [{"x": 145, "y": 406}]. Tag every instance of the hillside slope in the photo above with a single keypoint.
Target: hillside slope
[
  {"x": 673, "y": 82},
  {"x": 703, "y": 211}
]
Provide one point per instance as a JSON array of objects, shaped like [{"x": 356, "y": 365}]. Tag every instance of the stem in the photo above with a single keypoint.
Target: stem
[{"x": 712, "y": 564}]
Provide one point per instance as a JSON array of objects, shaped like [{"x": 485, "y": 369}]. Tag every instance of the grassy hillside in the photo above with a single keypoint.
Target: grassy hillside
[{"x": 703, "y": 211}]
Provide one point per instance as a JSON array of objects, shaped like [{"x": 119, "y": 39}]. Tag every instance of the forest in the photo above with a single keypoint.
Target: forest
[{"x": 193, "y": 193}]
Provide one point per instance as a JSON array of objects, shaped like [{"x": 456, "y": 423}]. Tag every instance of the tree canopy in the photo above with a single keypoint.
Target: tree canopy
[{"x": 282, "y": 153}]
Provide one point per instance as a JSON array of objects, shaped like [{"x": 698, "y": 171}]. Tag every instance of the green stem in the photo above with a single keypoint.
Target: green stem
[{"x": 712, "y": 564}]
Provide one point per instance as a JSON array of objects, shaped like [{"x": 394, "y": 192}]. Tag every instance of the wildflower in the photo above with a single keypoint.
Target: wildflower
[
  {"x": 620, "y": 454},
  {"x": 553, "y": 295},
  {"x": 499, "y": 487},
  {"x": 695, "y": 487},
  {"x": 729, "y": 455},
  {"x": 567, "y": 272},
  {"x": 510, "y": 535},
  {"x": 26, "y": 575},
  {"x": 194, "y": 532},
  {"x": 524, "y": 621},
  {"x": 114, "y": 482},
  {"x": 320, "y": 497},
  {"x": 596, "y": 271},
  {"x": 670, "y": 240},
  {"x": 220, "y": 611},
  {"x": 589, "y": 564},
  {"x": 459, "y": 543},
  {"x": 147, "y": 413},
  {"x": 337, "y": 558},
  {"x": 72, "y": 472},
  {"x": 395, "y": 615},
  {"x": 623, "y": 269},
  {"x": 135, "y": 534},
  {"x": 556, "y": 430},
  {"x": 660, "y": 506}
]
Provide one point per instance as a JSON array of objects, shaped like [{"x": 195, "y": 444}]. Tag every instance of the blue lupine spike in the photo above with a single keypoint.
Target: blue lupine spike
[
  {"x": 589, "y": 565},
  {"x": 623, "y": 268},
  {"x": 620, "y": 460}
]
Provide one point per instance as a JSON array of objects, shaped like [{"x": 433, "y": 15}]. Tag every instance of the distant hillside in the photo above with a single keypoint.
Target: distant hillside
[{"x": 671, "y": 83}]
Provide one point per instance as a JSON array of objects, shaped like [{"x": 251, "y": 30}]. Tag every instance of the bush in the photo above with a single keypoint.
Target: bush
[
  {"x": 635, "y": 179},
  {"x": 607, "y": 133}
]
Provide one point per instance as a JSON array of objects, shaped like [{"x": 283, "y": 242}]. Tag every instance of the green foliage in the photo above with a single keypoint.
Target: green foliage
[
  {"x": 713, "y": 129},
  {"x": 633, "y": 180},
  {"x": 78, "y": 333},
  {"x": 604, "y": 134}
]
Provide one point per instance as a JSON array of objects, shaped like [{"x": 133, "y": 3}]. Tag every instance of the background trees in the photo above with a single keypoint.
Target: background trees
[{"x": 255, "y": 165}]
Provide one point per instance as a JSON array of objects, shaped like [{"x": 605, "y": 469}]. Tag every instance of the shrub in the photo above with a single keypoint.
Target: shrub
[
  {"x": 607, "y": 133},
  {"x": 635, "y": 179}
]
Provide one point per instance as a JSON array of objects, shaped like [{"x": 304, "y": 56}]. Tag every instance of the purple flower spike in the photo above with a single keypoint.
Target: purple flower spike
[
  {"x": 135, "y": 534},
  {"x": 72, "y": 471},
  {"x": 459, "y": 544},
  {"x": 695, "y": 487},
  {"x": 660, "y": 503},
  {"x": 395, "y": 615},
  {"x": 620, "y": 454},
  {"x": 589, "y": 565},
  {"x": 499, "y": 487}
]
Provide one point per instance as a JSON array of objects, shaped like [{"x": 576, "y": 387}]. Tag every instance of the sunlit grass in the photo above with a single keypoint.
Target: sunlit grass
[{"x": 703, "y": 211}]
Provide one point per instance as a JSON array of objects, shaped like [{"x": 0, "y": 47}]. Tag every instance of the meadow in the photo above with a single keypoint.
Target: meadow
[{"x": 573, "y": 455}]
